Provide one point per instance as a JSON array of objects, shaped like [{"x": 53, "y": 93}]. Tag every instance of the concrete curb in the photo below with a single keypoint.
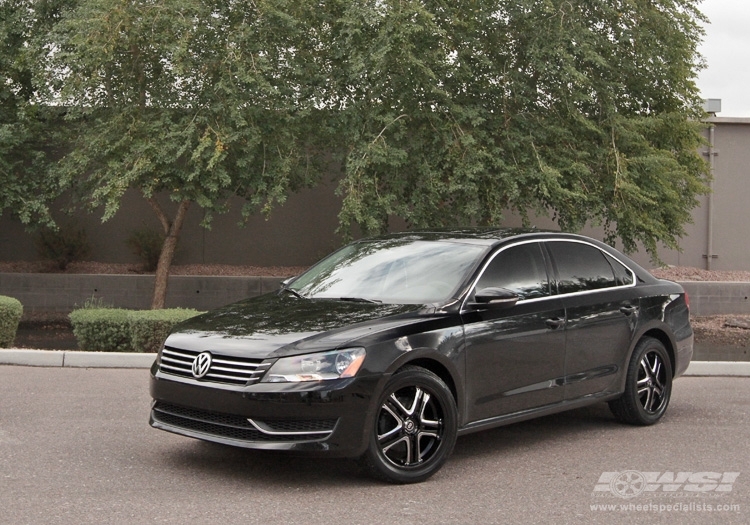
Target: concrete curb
[
  {"x": 719, "y": 368},
  {"x": 75, "y": 359},
  {"x": 78, "y": 359}
]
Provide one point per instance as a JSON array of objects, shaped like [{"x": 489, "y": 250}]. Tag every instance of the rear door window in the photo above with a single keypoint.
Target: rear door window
[{"x": 581, "y": 267}]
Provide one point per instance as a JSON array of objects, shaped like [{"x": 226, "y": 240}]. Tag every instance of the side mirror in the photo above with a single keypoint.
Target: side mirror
[{"x": 494, "y": 298}]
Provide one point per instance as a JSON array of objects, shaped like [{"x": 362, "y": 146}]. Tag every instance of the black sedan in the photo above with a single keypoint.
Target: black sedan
[{"x": 390, "y": 348}]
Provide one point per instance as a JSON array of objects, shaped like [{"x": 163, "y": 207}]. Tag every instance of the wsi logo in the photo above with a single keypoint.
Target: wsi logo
[{"x": 631, "y": 483}]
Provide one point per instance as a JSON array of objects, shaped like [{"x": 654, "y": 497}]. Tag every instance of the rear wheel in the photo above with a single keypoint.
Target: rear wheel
[
  {"x": 648, "y": 385},
  {"x": 414, "y": 429}
]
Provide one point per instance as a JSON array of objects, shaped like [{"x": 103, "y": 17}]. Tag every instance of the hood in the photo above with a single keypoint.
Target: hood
[{"x": 274, "y": 325}]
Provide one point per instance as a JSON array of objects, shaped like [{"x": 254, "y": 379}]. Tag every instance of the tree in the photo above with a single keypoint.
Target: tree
[
  {"x": 442, "y": 113},
  {"x": 457, "y": 112},
  {"x": 26, "y": 137},
  {"x": 194, "y": 100}
]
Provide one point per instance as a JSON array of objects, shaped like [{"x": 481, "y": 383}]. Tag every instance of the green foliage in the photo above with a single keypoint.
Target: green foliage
[
  {"x": 146, "y": 244},
  {"x": 106, "y": 330},
  {"x": 63, "y": 245},
  {"x": 11, "y": 311},
  {"x": 119, "y": 330},
  {"x": 194, "y": 98},
  {"x": 150, "y": 328},
  {"x": 194, "y": 101},
  {"x": 27, "y": 132},
  {"x": 441, "y": 113},
  {"x": 456, "y": 113}
]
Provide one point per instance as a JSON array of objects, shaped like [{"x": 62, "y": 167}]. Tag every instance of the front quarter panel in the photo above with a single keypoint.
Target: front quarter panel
[{"x": 439, "y": 348}]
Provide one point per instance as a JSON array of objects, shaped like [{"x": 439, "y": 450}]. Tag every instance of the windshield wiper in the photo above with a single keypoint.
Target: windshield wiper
[
  {"x": 359, "y": 300},
  {"x": 293, "y": 292}
]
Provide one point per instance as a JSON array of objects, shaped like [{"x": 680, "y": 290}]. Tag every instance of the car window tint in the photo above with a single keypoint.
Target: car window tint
[
  {"x": 520, "y": 269},
  {"x": 580, "y": 267},
  {"x": 623, "y": 275}
]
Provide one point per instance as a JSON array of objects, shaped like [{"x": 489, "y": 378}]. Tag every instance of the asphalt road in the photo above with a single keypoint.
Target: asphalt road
[{"x": 75, "y": 447}]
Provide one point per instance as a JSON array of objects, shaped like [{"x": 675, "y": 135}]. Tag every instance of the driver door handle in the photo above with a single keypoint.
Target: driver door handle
[{"x": 555, "y": 322}]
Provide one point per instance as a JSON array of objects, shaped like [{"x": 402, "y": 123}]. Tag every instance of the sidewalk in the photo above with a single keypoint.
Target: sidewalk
[{"x": 78, "y": 359}]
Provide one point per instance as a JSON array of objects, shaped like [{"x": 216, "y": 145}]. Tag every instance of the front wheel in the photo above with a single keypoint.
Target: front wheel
[
  {"x": 648, "y": 385},
  {"x": 414, "y": 429}
]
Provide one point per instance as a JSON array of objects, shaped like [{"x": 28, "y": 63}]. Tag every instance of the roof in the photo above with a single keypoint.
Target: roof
[{"x": 483, "y": 235}]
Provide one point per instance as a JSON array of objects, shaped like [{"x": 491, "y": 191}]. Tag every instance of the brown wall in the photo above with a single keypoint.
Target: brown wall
[
  {"x": 302, "y": 230},
  {"x": 297, "y": 233}
]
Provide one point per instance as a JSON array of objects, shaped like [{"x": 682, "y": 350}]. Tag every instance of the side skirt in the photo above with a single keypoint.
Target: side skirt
[{"x": 515, "y": 417}]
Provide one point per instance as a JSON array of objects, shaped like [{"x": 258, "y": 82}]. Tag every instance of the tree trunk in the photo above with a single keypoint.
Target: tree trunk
[{"x": 172, "y": 232}]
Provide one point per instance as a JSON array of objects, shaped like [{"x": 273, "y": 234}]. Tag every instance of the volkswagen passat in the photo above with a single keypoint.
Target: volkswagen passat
[{"x": 390, "y": 348}]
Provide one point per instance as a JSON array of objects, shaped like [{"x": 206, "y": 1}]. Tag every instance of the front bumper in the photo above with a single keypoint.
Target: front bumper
[{"x": 329, "y": 417}]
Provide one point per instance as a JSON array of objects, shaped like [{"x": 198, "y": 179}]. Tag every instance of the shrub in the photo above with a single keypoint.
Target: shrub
[
  {"x": 102, "y": 329},
  {"x": 10, "y": 314},
  {"x": 64, "y": 245},
  {"x": 118, "y": 330},
  {"x": 146, "y": 244},
  {"x": 149, "y": 328}
]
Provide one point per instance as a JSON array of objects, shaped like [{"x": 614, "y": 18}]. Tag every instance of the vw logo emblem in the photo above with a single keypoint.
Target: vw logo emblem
[{"x": 201, "y": 364}]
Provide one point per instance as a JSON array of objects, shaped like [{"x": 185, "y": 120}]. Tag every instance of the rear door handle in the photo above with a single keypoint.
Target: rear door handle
[
  {"x": 629, "y": 310},
  {"x": 554, "y": 322}
]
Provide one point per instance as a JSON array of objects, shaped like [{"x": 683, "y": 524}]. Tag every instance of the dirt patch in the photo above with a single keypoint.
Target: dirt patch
[
  {"x": 714, "y": 338},
  {"x": 673, "y": 273},
  {"x": 93, "y": 267},
  {"x": 721, "y": 330},
  {"x": 51, "y": 330},
  {"x": 687, "y": 273},
  {"x": 718, "y": 331}
]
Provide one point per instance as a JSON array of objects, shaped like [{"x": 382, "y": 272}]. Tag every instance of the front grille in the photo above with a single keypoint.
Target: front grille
[
  {"x": 239, "y": 428},
  {"x": 224, "y": 369}
]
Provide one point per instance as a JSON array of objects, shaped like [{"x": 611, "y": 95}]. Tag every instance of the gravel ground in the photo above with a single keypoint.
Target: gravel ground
[
  {"x": 90, "y": 267},
  {"x": 673, "y": 273},
  {"x": 687, "y": 273},
  {"x": 719, "y": 330}
]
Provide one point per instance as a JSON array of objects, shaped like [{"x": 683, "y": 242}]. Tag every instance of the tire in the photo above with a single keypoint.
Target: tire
[
  {"x": 648, "y": 385},
  {"x": 414, "y": 430}
]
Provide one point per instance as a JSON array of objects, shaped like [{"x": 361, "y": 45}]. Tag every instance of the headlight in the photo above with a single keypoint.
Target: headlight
[{"x": 336, "y": 364}]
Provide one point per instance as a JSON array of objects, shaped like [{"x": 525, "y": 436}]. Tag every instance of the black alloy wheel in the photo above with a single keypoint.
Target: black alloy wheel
[
  {"x": 415, "y": 427},
  {"x": 648, "y": 385}
]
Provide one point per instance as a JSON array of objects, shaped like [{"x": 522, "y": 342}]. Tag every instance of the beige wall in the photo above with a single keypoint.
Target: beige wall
[
  {"x": 731, "y": 196},
  {"x": 730, "y": 209},
  {"x": 302, "y": 230}
]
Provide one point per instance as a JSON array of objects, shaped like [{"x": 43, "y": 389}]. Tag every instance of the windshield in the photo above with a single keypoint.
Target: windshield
[{"x": 396, "y": 271}]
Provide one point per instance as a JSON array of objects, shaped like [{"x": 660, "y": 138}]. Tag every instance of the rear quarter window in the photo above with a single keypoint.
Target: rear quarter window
[{"x": 623, "y": 275}]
